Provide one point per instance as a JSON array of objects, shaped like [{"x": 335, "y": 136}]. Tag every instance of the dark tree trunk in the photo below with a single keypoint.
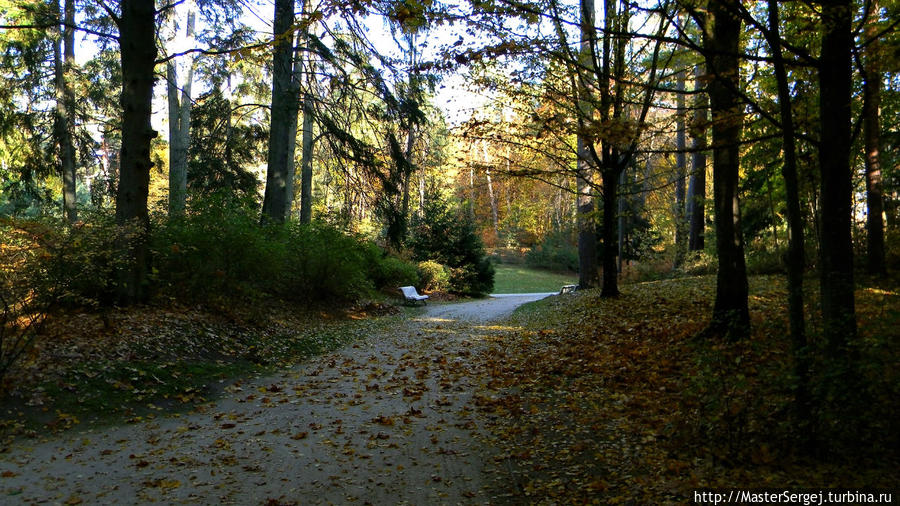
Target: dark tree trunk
[
  {"x": 587, "y": 229},
  {"x": 283, "y": 118},
  {"x": 64, "y": 127},
  {"x": 137, "y": 39},
  {"x": 796, "y": 259},
  {"x": 872, "y": 137},
  {"x": 680, "y": 173},
  {"x": 836, "y": 250},
  {"x": 696, "y": 199},
  {"x": 731, "y": 316},
  {"x": 306, "y": 163},
  {"x": 610, "y": 191},
  {"x": 306, "y": 172}
]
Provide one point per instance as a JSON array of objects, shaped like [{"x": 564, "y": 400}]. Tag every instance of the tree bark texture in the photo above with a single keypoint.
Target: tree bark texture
[
  {"x": 587, "y": 234},
  {"x": 306, "y": 172},
  {"x": 796, "y": 259},
  {"x": 610, "y": 272},
  {"x": 306, "y": 63},
  {"x": 696, "y": 198},
  {"x": 64, "y": 125},
  {"x": 836, "y": 249},
  {"x": 178, "y": 93},
  {"x": 282, "y": 128},
  {"x": 680, "y": 173},
  {"x": 731, "y": 316},
  {"x": 872, "y": 138},
  {"x": 137, "y": 34}
]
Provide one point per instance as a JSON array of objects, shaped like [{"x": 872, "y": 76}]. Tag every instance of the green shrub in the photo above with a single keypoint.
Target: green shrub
[
  {"x": 473, "y": 279},
  {"x": 389, "y": 271},
  {"x": 71, "y": 265},
  {"x": 700, "y": 263},
  {"x": 325, "y": 263},
  {"x": 219, "y": 250},
  {"x": 556, "y": 252},
  {"x": 449, "y": 237},
  {"x": 435, "y": 277},
  {"x": 765, "y": 262}
]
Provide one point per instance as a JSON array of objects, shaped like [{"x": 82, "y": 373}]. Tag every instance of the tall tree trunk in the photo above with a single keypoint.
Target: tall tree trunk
[
  {"x": 620, "y": 239},
  {"x": 306, "y": 162},
  {"x": 306, "y": 172},
  {"x": 178, "y": 92},
  {"x": 588, "y": 275},
  {"x": 413, "y": 91},
  {"x": 836, "y": 249},
  {"x": 872, "y": 137},
  {"x": 472, "y": 192},
  {"x": 696, "y": 199},
  {"x": 137, "y": 40},
  {"x": 610, "y": 274},
  {"x": 490, "y": 189},
  {"x": 796, "y": 258},
  {"x": 407, "y": 176},
  {"x": 680, "y": 173},
  {"x": 283, "y": 122},
  {"x": 731, "y": 316},
  {"x": 64, "y": 126}
]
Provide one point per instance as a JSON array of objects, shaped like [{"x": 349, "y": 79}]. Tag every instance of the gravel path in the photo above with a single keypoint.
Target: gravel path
[
  {"x": 497, "y": 307},
  {"x": 385, "y": 421}
]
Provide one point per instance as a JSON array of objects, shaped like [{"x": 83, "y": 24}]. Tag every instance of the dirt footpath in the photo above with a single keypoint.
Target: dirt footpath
[{"x": 385, "y": 421}]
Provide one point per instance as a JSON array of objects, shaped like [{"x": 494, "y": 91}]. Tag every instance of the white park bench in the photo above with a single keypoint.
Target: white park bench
[
  {"x": 568, "y": 289},
  {"x": 411, "y": 295}
]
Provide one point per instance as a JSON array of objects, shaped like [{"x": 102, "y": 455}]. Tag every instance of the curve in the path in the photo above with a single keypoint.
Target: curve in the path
[
  {"x": 496, "y": 307},
  {"x": 386, "y": 420}
]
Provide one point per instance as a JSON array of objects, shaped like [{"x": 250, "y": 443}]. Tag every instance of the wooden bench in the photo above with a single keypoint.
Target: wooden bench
[
  {"x": 411, "y": 295},
  {"x": 568, "y": 289}
]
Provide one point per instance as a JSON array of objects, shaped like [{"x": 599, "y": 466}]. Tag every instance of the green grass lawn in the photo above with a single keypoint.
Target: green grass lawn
[{"x": 521, "y": 279}]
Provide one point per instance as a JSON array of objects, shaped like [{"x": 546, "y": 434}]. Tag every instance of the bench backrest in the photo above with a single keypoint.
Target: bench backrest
[{"x": 409, "y": 291}]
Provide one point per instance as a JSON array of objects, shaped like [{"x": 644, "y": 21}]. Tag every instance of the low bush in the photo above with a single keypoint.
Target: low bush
[
  {"x": 556, "y": 252},
  {"x": 766, "y": 261},
  {"x": 216, "y": 251},
  {"x": 473, "y": 279},
  {"x": 220, "y": 251},
  {"x": 433, "y": 276},
  {"x": 447, "y": 236},
  {"x": 388, "y": 271}
]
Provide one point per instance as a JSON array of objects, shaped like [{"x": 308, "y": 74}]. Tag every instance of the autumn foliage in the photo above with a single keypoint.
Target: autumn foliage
[{"x": 620, "y": 401}]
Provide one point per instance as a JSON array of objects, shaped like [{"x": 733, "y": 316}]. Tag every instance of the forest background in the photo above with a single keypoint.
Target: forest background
[{"x": 305, "y": 163}]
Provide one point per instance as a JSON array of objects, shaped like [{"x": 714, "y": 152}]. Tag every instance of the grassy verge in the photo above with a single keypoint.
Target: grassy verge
[
  {"x": 617, "y": 401},
  {"x": 521, "y": 279}
]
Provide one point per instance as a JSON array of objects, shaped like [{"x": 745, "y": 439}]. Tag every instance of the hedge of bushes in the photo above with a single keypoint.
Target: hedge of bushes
[{"x": 216, "y": 251}]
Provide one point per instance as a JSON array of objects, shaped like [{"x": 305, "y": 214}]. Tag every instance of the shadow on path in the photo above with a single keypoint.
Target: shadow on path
[{"x": 389, "y": 419}]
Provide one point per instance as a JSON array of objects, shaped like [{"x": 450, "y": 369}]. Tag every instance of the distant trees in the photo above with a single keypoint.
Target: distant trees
[{"x": 602, "y": 133}]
